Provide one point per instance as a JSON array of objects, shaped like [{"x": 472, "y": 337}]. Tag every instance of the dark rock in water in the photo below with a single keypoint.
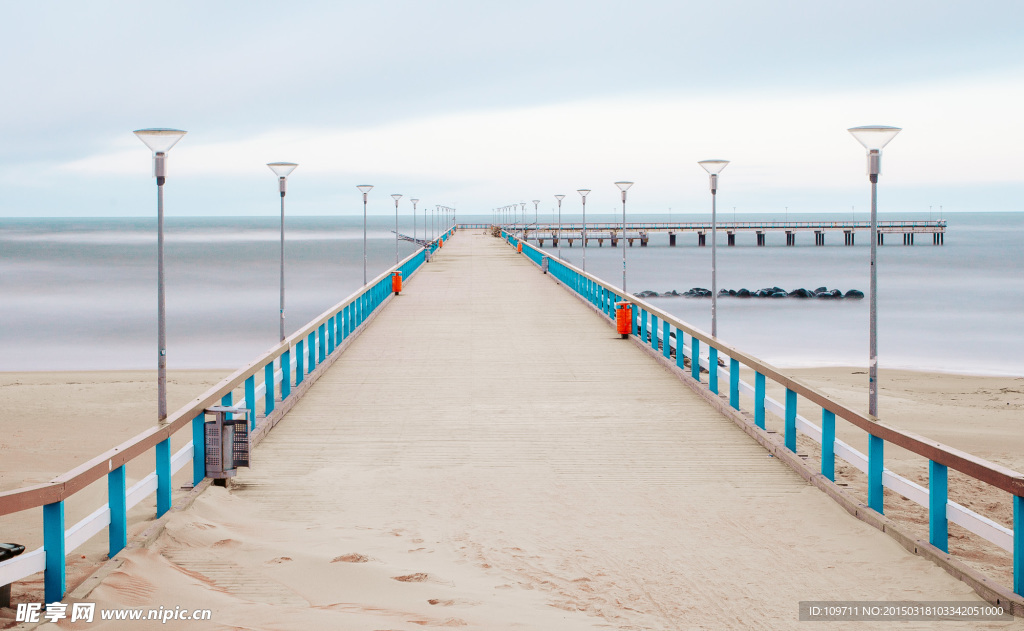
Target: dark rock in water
[
  {"x": 743, "y": 293},
  {"x": 723, "y": 292},
  {"x": 820, "y": 289},
  {"x": 800, "y": 293},
  {"x": 778, "y": 294},
  {"x": 836, "y": 293},
  {"x": 856, "y": 294},
  {"x": 830, "y": 295},
  {"x": 732, "y": 292},
  {"x": 764, "y": 293},
  {"x": 647, "y": 294},
  {"x": 671, "y": 293},
  {"x": 698, "y": 292}
]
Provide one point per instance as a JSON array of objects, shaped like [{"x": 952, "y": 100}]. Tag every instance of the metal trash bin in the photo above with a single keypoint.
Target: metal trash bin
[
  {"x": 227, "y": 443},
  {"x": 544, "y": 264}
]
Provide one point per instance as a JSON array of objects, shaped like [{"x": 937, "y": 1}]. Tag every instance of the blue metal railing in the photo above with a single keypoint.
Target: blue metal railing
[
  {"x": 283, "y": 367},
  {"x": 670, "y": 340}
]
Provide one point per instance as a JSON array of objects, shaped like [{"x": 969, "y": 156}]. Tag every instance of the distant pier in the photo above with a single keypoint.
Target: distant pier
[{"x": 640, "y": 233}]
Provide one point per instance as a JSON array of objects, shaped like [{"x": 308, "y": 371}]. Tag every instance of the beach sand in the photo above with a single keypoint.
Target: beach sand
[{"x": 408, "y": 575}]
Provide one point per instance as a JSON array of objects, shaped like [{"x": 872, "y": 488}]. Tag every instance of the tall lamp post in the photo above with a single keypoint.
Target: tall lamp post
[
  {"x": 364, "y": 189},
  {"x": 536, "y": 216},
  {"x": 559, "y": 198},
  {"x": 414, "y": 202},
  {"x": 583, "y": 193},
  {"x": 282, "y": 170},
  {"x": 396, "y": 197},
  {"x": 160, "y": 142},
  {"x": 874, "y": 138},
  {"x": 623, "y": 186},
  {"x": 714, "y": 167}
]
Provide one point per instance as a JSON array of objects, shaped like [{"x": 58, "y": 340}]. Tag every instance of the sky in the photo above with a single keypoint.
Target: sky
[{"x": 479, "y": 104}]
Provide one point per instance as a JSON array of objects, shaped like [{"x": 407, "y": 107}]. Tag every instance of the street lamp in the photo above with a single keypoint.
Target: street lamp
[
  {"x": 160, "y": 142},
  {"x": 559, "y": 198},
  {"x": 623, "y": 186},
  {"x": 282, "y": 170},
  {"x": 583, "y": 193},
  {"x": 874, "y": 138},
  {"x": 414, "y": 202},
  {"x": 364, "y": 189},
  {"x": 714, "y": 167},
  {"x": 396, "y": 197},
  {"x": 536, "y": 217}
]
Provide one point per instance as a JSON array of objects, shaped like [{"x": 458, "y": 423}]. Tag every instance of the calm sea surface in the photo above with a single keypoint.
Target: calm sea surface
[{"x": 81, "y": 293}]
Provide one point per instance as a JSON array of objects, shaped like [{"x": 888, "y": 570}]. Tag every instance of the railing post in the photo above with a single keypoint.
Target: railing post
[
  {"x": 636, "y": 319},
  {"x": 299, "y": 348},
  {"x": 268, "y": 382},
  {"x": 322, "y": 354},
  {"x": 828, "y": 444},
  {"x": 286, "y": 374},
  {"x": 163, "y": 477},
  {"x": 666, "y": 348},
  {"x": 759, "y": 400},
  {"x": 643, "y": 326},
  {"x": 876, "y": 449},
  {"x": 695, "y": 358},
  {"x": 680, "y": 349},
  {"x": 54, "y": 578},
  {"x": 198, "y": 449},
  {"x": 734, "y": 383},
  {"x": 117, "y": 533},
  {"x": 311, "y": 352},
  {"x": 938, "y": 495},
  {"x": 790, "y": 420},
  {"x": 1018, "y": 545},
  {"x": 654, "y": 332},
  {"x": 250, "y": 399},
  {"x": 713, "y": 369},
  {"x": 330, "y": 335}
]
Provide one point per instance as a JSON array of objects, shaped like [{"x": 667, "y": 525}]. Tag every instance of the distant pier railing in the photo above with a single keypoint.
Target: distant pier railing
[
  {"x": 641, "y": 231},
  {"x": 668, "y": 336},
  {"x": 270, "y": 377}
]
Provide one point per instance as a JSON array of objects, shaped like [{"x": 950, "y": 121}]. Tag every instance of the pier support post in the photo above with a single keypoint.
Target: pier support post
[
  {"x": 54, "y": 576},
  {"x": 876, "y": 448},
  {"x": 828, "y": 444},
  {"x": 672, "y": 239},
  {"x": 938, "y": 495},
  {"x": 701, "y": 239},
  {"x": 117, "y": 533},
  {"x": 760, "y": 238},
  {"x": 734, "y": 383},
  {"x": 759, "y": 400},
  {"x": 790, "y": 432},
  {"x": 732, "y": 238},
  {"x": 790, "y": 238}
]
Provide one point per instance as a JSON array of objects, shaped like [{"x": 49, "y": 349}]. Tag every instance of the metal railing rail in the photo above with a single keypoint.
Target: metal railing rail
[
  {"x": 705, "y": 352},
  {"x": 283, "y": 367}
]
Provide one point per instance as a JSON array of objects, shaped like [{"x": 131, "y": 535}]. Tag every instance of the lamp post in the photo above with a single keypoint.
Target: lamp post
[
  {"x": 396, "y": 197},
  {"x": 536, "y": 217},
  {"x": 874, "y": 138},
  {"x": 414, "y": 202},
  {"x": 364, "y": 189},
  {"x": 559, "y": 198},
  {"x": 623, "y": 186},
  {"x": 583, "y": 193},
  {"x": 160, "y": 142},
  {"x": 282, "y": 170},
  {"x": 714, "y": 167}
]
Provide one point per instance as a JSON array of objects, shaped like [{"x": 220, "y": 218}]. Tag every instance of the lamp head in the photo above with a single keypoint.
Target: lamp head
[
  {"x": 623, "y": 186},
  {"x": 396, "y": 197},
  {"x": 414, "y": 201},
  {"x": 160, "y": 139},
  {"x": 874, "y": 137},
  {"x": 282, "y": 169},
  {"x": 559, "y": 198},
  {"x": 365, "y": 188},
  {"x": 714, "y": 167},
  {"x": 583, "y": 192}
]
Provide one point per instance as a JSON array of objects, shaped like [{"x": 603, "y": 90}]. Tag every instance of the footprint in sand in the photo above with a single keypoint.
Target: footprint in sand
[
  {"x": 418, "y": 577},
  {"x": 351, "y": 558},
  {"x": 279, "y": 560}
]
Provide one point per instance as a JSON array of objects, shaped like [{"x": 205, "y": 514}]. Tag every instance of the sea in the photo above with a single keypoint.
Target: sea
[{"x": 80, "y": 293}]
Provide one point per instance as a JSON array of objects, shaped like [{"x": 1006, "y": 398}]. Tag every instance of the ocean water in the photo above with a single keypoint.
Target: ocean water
[{"x": 80, "y": 294}]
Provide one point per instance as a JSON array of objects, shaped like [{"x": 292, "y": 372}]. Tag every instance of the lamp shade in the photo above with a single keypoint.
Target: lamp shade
[
  {"x": 396, "y": 196},
  {"x": 583, "y": 192},
  {"x": 536, "y": 201},
  {"x": 714, "y": 167},
  {"x": 559, "y": 197},
  {"x": 874, "y": 137},
  {"x": 160, "y": 140},
  {"x": 623, "y": 186},
  {"x": 414, "y": 201},
  {"x": 365, "y": 188},
  {"x": 282, "y": 169}
]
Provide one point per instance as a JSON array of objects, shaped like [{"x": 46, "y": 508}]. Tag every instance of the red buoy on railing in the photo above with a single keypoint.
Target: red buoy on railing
[
  {"x": 396, "y": 282},
  {"x": 624, "y": 318}
]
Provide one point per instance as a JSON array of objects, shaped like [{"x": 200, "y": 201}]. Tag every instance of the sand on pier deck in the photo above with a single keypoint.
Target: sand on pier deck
[{"x": 489, "y": 455}]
